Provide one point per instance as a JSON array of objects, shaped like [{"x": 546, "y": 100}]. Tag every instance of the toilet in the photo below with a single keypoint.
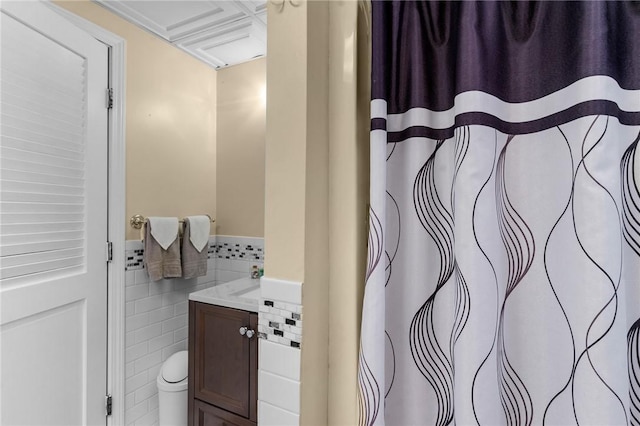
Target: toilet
[{"x": 172, "y": 390}]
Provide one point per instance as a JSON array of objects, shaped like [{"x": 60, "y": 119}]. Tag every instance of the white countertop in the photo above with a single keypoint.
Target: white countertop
[{"x": 239, "y": 294}]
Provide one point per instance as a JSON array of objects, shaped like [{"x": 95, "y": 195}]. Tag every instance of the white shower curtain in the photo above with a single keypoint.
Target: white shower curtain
[{"x": 503, "y": 280}]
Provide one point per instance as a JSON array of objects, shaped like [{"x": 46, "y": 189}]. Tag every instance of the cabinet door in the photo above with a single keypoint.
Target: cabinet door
[
  {"x": 208, "y": 415},
  {"x": 222, "y": 358}
]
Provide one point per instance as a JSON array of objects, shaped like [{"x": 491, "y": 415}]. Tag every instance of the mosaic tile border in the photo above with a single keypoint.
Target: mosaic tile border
[
  {"x": 226, "y": 249},
  {"x": 280, "y": 322},
  {"x": 134, "y": 258},
  {"x": 236, "y": 251}
]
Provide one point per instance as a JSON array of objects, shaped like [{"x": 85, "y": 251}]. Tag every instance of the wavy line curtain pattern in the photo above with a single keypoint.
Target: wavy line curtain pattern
[{"x": 503, "y": 278}]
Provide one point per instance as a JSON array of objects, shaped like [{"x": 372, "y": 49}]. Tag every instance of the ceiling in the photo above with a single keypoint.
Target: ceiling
[{"x": 220, "y": 33}]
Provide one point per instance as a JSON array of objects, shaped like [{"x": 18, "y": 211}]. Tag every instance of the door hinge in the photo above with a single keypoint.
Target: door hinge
[
  {"x": 109, "y": 404},
  {"x": 109, "y": 251},
  {"x": 109, "y": 98}
]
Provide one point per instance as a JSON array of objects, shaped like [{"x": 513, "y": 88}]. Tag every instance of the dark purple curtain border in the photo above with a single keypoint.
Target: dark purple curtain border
[{"x": 426, "y": 52}]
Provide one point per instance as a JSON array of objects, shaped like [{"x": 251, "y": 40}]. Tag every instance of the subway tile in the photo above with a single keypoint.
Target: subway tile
[
  {"x": 148, "y": 304},
  {"x": 153, "y": 401},
  {"x": 284, "y": 314},
  {"x": 160, "y": 287},
  {"x": 129, "y": 308},
  {"x": 129, "y": 339},
  {"x": 145, "y": 392},
  {"x": 224, "y": 264},
  {"x": 277, "y": 359},
  {"x": 149, "y": 419},
  {"x": 270, "y": 415},
  {"x": 159, "y": 315},
  {"x": 136, "y": 382},
  {"x": 135, "y": 322},
  {"x": 296, "y": 330},
  {"x": 281, "y": 290},
  {"x": 211, "y": 272},
  {"x": 135, "y": 413},
  {"x": 129, "y": 370},
  {"x": 184, "y": 284},
  {"x": 173, "y": 297},
  {"x": 174, "y": 323},
  {"x": 136, "y": 292},
  {"x": 180, "y": 334},
  {"x": 279, "y": 391},
  {"x": 142, "y": 276},
  {"x": 147, "y": 361},
  {"x": 226, "y": 276},
  {"x": 148, "y": 332},
  {"x": 161, "y": 341},
  {"x": 153, "y": 371},
  {"x": 129, "y": 400},
  {"x": 136, "y": 351},
  {"x": 129, "y": 278},
  {"x": 181, "y": 308},
  {"x": 177, "y": 347},
  {"x": 241, "y": 265}
]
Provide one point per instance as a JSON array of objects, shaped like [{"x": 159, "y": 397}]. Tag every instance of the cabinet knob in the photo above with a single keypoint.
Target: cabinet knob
[
  {"x": 250, "y": 333},
  {"x": 243, "y": 330}
]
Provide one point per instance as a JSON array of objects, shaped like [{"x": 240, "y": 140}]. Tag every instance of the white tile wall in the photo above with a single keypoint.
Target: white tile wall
[
  {"x": 279, "y": 391},
  {"x": 156, "y": 319},
  {"x": 279, "y": 359},
  {"x": 270, "y": 415},
  {"x": 279, "y": 356}
]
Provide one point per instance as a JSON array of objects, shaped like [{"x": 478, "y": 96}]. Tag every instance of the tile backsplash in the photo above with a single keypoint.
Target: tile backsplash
[
  {"x": 156, "y": 315},
  {"x": 280, "y": 322},
  {"x": 280, "y": 319}
]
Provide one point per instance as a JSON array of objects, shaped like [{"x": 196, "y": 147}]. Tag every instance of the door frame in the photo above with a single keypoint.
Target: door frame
[{"x": 116, "y": 211}]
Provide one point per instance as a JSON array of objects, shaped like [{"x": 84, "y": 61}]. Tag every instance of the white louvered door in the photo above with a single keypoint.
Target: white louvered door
[{"x": 53, "y": 212}]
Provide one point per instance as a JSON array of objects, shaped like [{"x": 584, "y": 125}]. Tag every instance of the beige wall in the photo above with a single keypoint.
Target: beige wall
[
  {"x": 314, "y": 363},
  {"x": 170, "y": 123},
  {"x": 296, "y": 210},
  {"x": 285, "y": 153},
  {"x": 317, "y": 191},
  {"x": 349, "y": 194},
  {"x": 240, "y": 138}
]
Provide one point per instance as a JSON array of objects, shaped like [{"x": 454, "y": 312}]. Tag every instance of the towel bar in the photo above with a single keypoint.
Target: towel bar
[{"x": 138, "y": 220}]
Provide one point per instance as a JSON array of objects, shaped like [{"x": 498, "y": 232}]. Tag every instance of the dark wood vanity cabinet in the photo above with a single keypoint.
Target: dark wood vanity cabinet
[{"x": 223, "y": 366}]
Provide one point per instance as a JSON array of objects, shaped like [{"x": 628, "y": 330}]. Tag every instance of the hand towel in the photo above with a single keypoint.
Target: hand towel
[
  {"x": 200, "y": 227},
  {"x": 164, "y": 230},
  {"x": 161, "y": 262},
  {"x": 195, "y": 246}
]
